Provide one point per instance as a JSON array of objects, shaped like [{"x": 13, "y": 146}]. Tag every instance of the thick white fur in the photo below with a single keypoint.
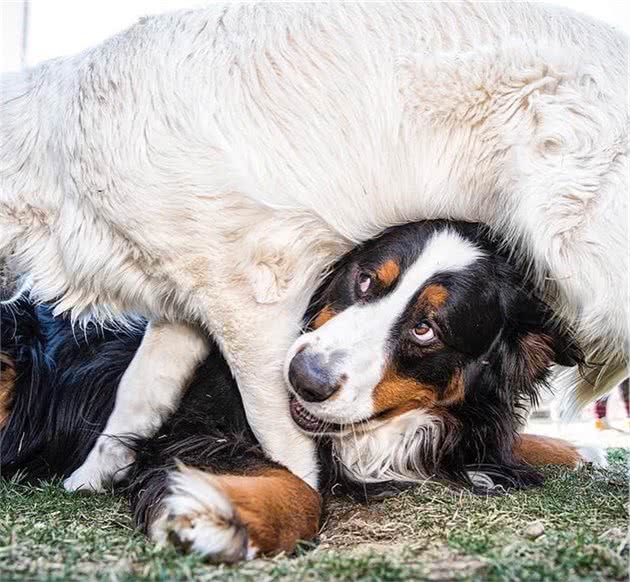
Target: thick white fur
[
  {"x": 207, "y": 165},
  {"x": 390, "y": 451}
]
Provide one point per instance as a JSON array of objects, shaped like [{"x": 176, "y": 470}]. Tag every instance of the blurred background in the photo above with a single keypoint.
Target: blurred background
[{"x": 36, "y": 30}]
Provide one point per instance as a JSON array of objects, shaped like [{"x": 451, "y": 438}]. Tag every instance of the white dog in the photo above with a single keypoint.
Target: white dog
[{"x": 206, "y": 167}]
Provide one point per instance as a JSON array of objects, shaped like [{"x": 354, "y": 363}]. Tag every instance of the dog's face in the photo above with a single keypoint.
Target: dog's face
[{"x": 423, "y": 341}]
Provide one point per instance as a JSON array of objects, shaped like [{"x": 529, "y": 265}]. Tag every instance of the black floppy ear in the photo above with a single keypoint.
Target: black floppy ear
[{"x": 544, "y": 339}]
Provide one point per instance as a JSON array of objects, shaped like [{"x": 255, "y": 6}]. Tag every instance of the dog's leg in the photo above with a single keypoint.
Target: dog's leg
[
  {"x": 541, "y": 450},
  {"x": 255, "y": 340},
  {"x": 227, "y": 518},
  {"x": 148, "y": 392}
]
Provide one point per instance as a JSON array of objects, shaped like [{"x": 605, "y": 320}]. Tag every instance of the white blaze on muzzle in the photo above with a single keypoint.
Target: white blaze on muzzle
[{"x": 354, "y": 343}]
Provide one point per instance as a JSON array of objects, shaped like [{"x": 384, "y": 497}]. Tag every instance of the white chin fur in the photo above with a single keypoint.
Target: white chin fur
[{"x": 390, "y": 452}]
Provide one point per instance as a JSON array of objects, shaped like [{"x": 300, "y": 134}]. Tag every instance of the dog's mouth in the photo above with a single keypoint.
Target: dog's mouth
[{"x": 309, "y": 423}]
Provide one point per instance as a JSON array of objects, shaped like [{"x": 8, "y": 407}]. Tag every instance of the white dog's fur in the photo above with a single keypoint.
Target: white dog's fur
[{"x": 207, "y": 166}]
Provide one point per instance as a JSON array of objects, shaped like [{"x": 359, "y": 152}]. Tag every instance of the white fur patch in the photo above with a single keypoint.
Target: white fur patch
[
  {"x": 594, "y": 455},
  {"x": 390, "y": 452},
  {"x": 149, "y": 390}
]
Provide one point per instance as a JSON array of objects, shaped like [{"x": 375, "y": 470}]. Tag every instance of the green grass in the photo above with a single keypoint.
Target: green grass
[{"x": 428, "y": 534}]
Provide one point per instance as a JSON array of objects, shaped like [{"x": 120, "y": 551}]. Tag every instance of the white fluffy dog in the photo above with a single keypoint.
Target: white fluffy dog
[{"x": 205, "y": 167}]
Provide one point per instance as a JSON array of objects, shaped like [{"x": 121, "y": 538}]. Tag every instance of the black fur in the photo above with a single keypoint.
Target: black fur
[{"x": 64, "y": 390}]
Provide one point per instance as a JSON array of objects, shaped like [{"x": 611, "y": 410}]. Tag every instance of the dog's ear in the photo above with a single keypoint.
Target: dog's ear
[{"x": 543, "y": 339}]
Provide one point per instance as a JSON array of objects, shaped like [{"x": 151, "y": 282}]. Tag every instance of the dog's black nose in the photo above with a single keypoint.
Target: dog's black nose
[{"x": 309, "y": 377}]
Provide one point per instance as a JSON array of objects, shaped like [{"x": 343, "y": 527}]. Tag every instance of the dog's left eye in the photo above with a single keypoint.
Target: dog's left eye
[{"x": 423, "y": 333}]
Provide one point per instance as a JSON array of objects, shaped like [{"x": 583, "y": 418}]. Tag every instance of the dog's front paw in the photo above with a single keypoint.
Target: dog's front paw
[
  {"x": 197, "y": 516},
  {"x": 107, "y": 463}
]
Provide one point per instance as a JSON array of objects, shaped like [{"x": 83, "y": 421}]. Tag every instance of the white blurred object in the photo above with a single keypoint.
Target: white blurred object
[{"x": 13, "y": 22}]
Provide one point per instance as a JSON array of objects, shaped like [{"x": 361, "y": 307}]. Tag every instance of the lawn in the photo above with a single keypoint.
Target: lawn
[{"x": 575, "y": 528}]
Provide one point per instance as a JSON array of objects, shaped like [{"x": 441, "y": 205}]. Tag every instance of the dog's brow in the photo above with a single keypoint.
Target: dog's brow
[{"x": 388, "y": 272}]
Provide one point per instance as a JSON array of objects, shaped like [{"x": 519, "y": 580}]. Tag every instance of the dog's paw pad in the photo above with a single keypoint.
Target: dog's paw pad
[{"x": 197, "y": 516}]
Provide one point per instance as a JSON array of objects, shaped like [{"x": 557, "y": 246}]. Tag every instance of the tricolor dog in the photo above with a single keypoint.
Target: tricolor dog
[
  {"x": 203, "y": 168},
  {"x": 423, "y": 347}
]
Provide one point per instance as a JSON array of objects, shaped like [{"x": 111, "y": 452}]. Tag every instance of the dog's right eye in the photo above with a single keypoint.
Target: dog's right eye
[
  {"x": 423, "y": 333},
  {"x": 365, "y": 282}
]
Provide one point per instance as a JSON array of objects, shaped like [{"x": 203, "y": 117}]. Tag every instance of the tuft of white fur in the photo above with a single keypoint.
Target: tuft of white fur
[
  {"x": 389, "y": 452},
  {"x": 393, "y": 451},
  {"x": 576, "y": 388},
  {"x": 594, "y": 455},
  {"x": 198, "y": 515}
]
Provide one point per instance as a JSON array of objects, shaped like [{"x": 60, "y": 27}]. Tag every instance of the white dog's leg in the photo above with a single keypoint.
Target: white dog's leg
[
  {"x": 256, "y": 356},
  {"x": 148, "y": 392}
]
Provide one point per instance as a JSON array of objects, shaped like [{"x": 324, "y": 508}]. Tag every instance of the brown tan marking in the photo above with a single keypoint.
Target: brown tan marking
[
  {"x": 388, "y": 272},
  {"x": 540, "y": 450},
  {"x": 394, "y": 392},
  {"x": 455, "y": 391},
  {"x": 326, "y": 314},
  {"x": 7, "y": 380},
  {"x": 277, "y": 508},
  {"x": 435, "y": 295}
]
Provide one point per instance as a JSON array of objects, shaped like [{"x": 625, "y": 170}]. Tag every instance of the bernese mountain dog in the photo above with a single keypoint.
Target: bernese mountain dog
[{"x": 420, "y": 354}]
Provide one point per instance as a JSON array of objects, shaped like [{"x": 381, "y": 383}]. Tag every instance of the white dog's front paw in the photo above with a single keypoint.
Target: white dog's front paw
[
  {"x": 198, "y": 517},
  {"x": 107, "y": 463}
]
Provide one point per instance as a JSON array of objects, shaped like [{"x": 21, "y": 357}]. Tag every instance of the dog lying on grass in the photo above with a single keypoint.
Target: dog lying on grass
[
  {"x": 468, "y": 346},
  {"x": 204, "y": 167}
]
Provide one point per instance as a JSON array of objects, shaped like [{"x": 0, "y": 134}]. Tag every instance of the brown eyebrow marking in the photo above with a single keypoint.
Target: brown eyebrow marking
[
  {"x": 388, "y": 272},
  {"x": 435, "y": 295},
  {"x": 326, "y": 314}
]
